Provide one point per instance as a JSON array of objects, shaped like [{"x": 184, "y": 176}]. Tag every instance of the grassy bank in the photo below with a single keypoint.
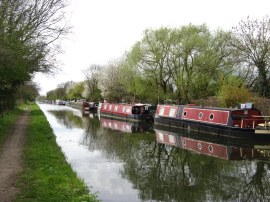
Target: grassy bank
[
  {"x": 6, "y": 123},
  {"x": 47, "y": 176}
]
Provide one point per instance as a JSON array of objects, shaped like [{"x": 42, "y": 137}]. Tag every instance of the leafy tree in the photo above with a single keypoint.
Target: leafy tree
[
  {"x": 185, "y": 62},
  {"x": 252, "y": 44},
  {"x": 198, "y": 57},
  {"x": 138, "y": 86},
  {"x": 151, "y": 57},
  {"x": 76, "y": 92},
  {"x": 28, "y": 31},
  {"x": 27, "y": 92}
]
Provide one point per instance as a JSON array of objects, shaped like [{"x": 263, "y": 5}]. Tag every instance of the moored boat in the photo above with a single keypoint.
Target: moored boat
[
  {"x": 127, "y": 112},
  {"x": 238, "y": 122},
  {"x": 86, "y": 107}
]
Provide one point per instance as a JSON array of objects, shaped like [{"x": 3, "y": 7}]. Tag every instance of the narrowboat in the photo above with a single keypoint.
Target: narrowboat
[
  {"x": 125, "y": 127},
  {"x": 245, "y": 121},
  {"x": 215, "y": 148},
  {"x": 86, "y": 107},
  {"x": 127, "y": 112}
]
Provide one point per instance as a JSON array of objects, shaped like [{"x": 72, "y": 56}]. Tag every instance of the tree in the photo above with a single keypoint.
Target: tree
[
  {"x": 152, "y": 57},
  {"x": 91, "y": 79},
  {"x": 139, "y": 87},
  {"x": 186, "y": 57},
  {"x": 252, "y": 45},
  {"x": 27, "y": 92},
  {"x": 76, "y": 92},
  {"x": 110, "y": 82},
  {"x": 28, "y": 32}
]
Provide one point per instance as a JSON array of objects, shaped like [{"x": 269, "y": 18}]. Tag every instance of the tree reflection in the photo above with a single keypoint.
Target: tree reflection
[
  {"x": 67, "y": 118},
  {"x": 162, "y": 172}
]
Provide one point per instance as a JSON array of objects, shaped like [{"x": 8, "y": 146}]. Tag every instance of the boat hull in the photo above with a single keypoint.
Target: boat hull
[{"x": 175, "y": 124}]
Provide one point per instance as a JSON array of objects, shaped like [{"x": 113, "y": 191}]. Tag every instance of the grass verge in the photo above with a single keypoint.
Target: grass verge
[
  {"x": 6, "y": 123},
  {"x": 47, "y": 176}
]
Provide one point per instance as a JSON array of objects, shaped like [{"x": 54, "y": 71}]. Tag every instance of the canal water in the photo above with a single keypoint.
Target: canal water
[{"x": 126, "y": 162}]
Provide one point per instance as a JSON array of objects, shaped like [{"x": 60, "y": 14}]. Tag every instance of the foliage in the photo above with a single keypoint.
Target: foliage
[
  {"x": 76, "y": 92},
  {"x": 187, "y": 63},
  {"x": 135, "y": 83},
  {"x": 184, "y": 62},
  {"x": 58, "y": 93},
  {"x": 28, "y": 30},
  {"x": 27, "y": 92},
  {"x": 6, "y": 122},
  {"x": 233, "y": 92},
  {"x": 151, "y": 54}
]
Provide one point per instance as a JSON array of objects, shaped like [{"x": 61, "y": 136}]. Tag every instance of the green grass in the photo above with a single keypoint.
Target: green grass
[
  {"x": 47, "y": 176},
  {"x": 6, "y": 123}
]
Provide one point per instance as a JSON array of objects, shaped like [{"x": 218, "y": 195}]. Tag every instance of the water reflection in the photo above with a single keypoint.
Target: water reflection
[
  {"x": 158, "y": 165},
  {"x": 250, "y": 150},
  {"x": 125, "y": 127}
]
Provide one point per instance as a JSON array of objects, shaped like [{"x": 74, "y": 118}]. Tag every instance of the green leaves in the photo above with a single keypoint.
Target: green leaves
[
  {"x": 183, "y": 62},
  {"x": 27, "y": 31}
]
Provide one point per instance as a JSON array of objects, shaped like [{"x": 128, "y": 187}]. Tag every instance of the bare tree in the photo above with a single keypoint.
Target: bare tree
[
  {"x": 91, "y": 75},
  {"x": 252, "y": 44},
  {"x": 110, "y": 82}
]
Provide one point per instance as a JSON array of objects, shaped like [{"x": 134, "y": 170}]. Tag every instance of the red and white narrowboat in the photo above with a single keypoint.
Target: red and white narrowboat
[
  {"x": 127, "y": 112},
  {"x": 123, "y": 126},
  {"x": 213, "y": 149},
  {"x": 239, "y": 122}
]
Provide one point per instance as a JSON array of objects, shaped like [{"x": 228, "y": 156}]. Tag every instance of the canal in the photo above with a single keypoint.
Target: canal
[{"x": 122, "y": 162}]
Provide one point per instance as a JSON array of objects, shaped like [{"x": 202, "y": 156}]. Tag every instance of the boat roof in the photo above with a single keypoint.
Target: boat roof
[{"x": 215, "y": 108}]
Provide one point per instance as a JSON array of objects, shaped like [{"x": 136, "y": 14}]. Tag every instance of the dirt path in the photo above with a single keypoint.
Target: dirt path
[{"x": 11, "y": 159}]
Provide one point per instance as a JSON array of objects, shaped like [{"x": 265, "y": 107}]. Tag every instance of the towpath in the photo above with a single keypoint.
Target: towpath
[{"x": 11, "y": 159}]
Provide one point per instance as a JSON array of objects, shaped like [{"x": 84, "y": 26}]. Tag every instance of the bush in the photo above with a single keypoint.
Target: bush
[{"x": 232, "y": 96}]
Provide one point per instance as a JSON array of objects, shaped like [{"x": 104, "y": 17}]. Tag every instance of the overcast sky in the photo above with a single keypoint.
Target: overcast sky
[{"x": 104, "y": 29}]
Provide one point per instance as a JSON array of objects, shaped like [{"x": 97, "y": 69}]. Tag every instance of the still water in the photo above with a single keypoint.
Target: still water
[{"x": 124, "y": 162}]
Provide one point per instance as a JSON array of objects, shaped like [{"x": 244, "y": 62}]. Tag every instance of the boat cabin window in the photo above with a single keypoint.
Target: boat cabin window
[
  {"x": 135, "y": 110},
  {"x": 161, "y": 111},
  {"x": 200, "y": 115},
  {"x": 139, "y": 110},
  {"x": 210, "y": 148},
  {"x": 185, "y": 113},
  {"x": 172, "y": 112}
]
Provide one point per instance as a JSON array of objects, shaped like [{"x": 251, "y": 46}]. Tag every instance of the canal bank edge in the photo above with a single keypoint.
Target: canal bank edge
[{"x": 47, "y": 176}]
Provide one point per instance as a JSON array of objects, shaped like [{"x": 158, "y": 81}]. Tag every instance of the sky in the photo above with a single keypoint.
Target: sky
[{"x": 103, "y": 30}]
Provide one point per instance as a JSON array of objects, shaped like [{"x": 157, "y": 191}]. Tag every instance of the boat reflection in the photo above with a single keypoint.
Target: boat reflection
[
  {"x": 218, "y": 147},
  {"x": 126, "y": 127}
]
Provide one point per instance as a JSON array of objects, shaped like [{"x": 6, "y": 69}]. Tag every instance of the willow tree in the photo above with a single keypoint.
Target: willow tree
[
  {"x": 139, "y": 86},
  {"x": 252, "y": 45},
  {"x": 28, "y": 31},
  {"x": 150, "y": 55}
]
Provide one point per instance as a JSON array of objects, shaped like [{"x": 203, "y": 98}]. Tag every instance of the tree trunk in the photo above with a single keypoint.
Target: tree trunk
[{"x": 263, "y": 81}]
